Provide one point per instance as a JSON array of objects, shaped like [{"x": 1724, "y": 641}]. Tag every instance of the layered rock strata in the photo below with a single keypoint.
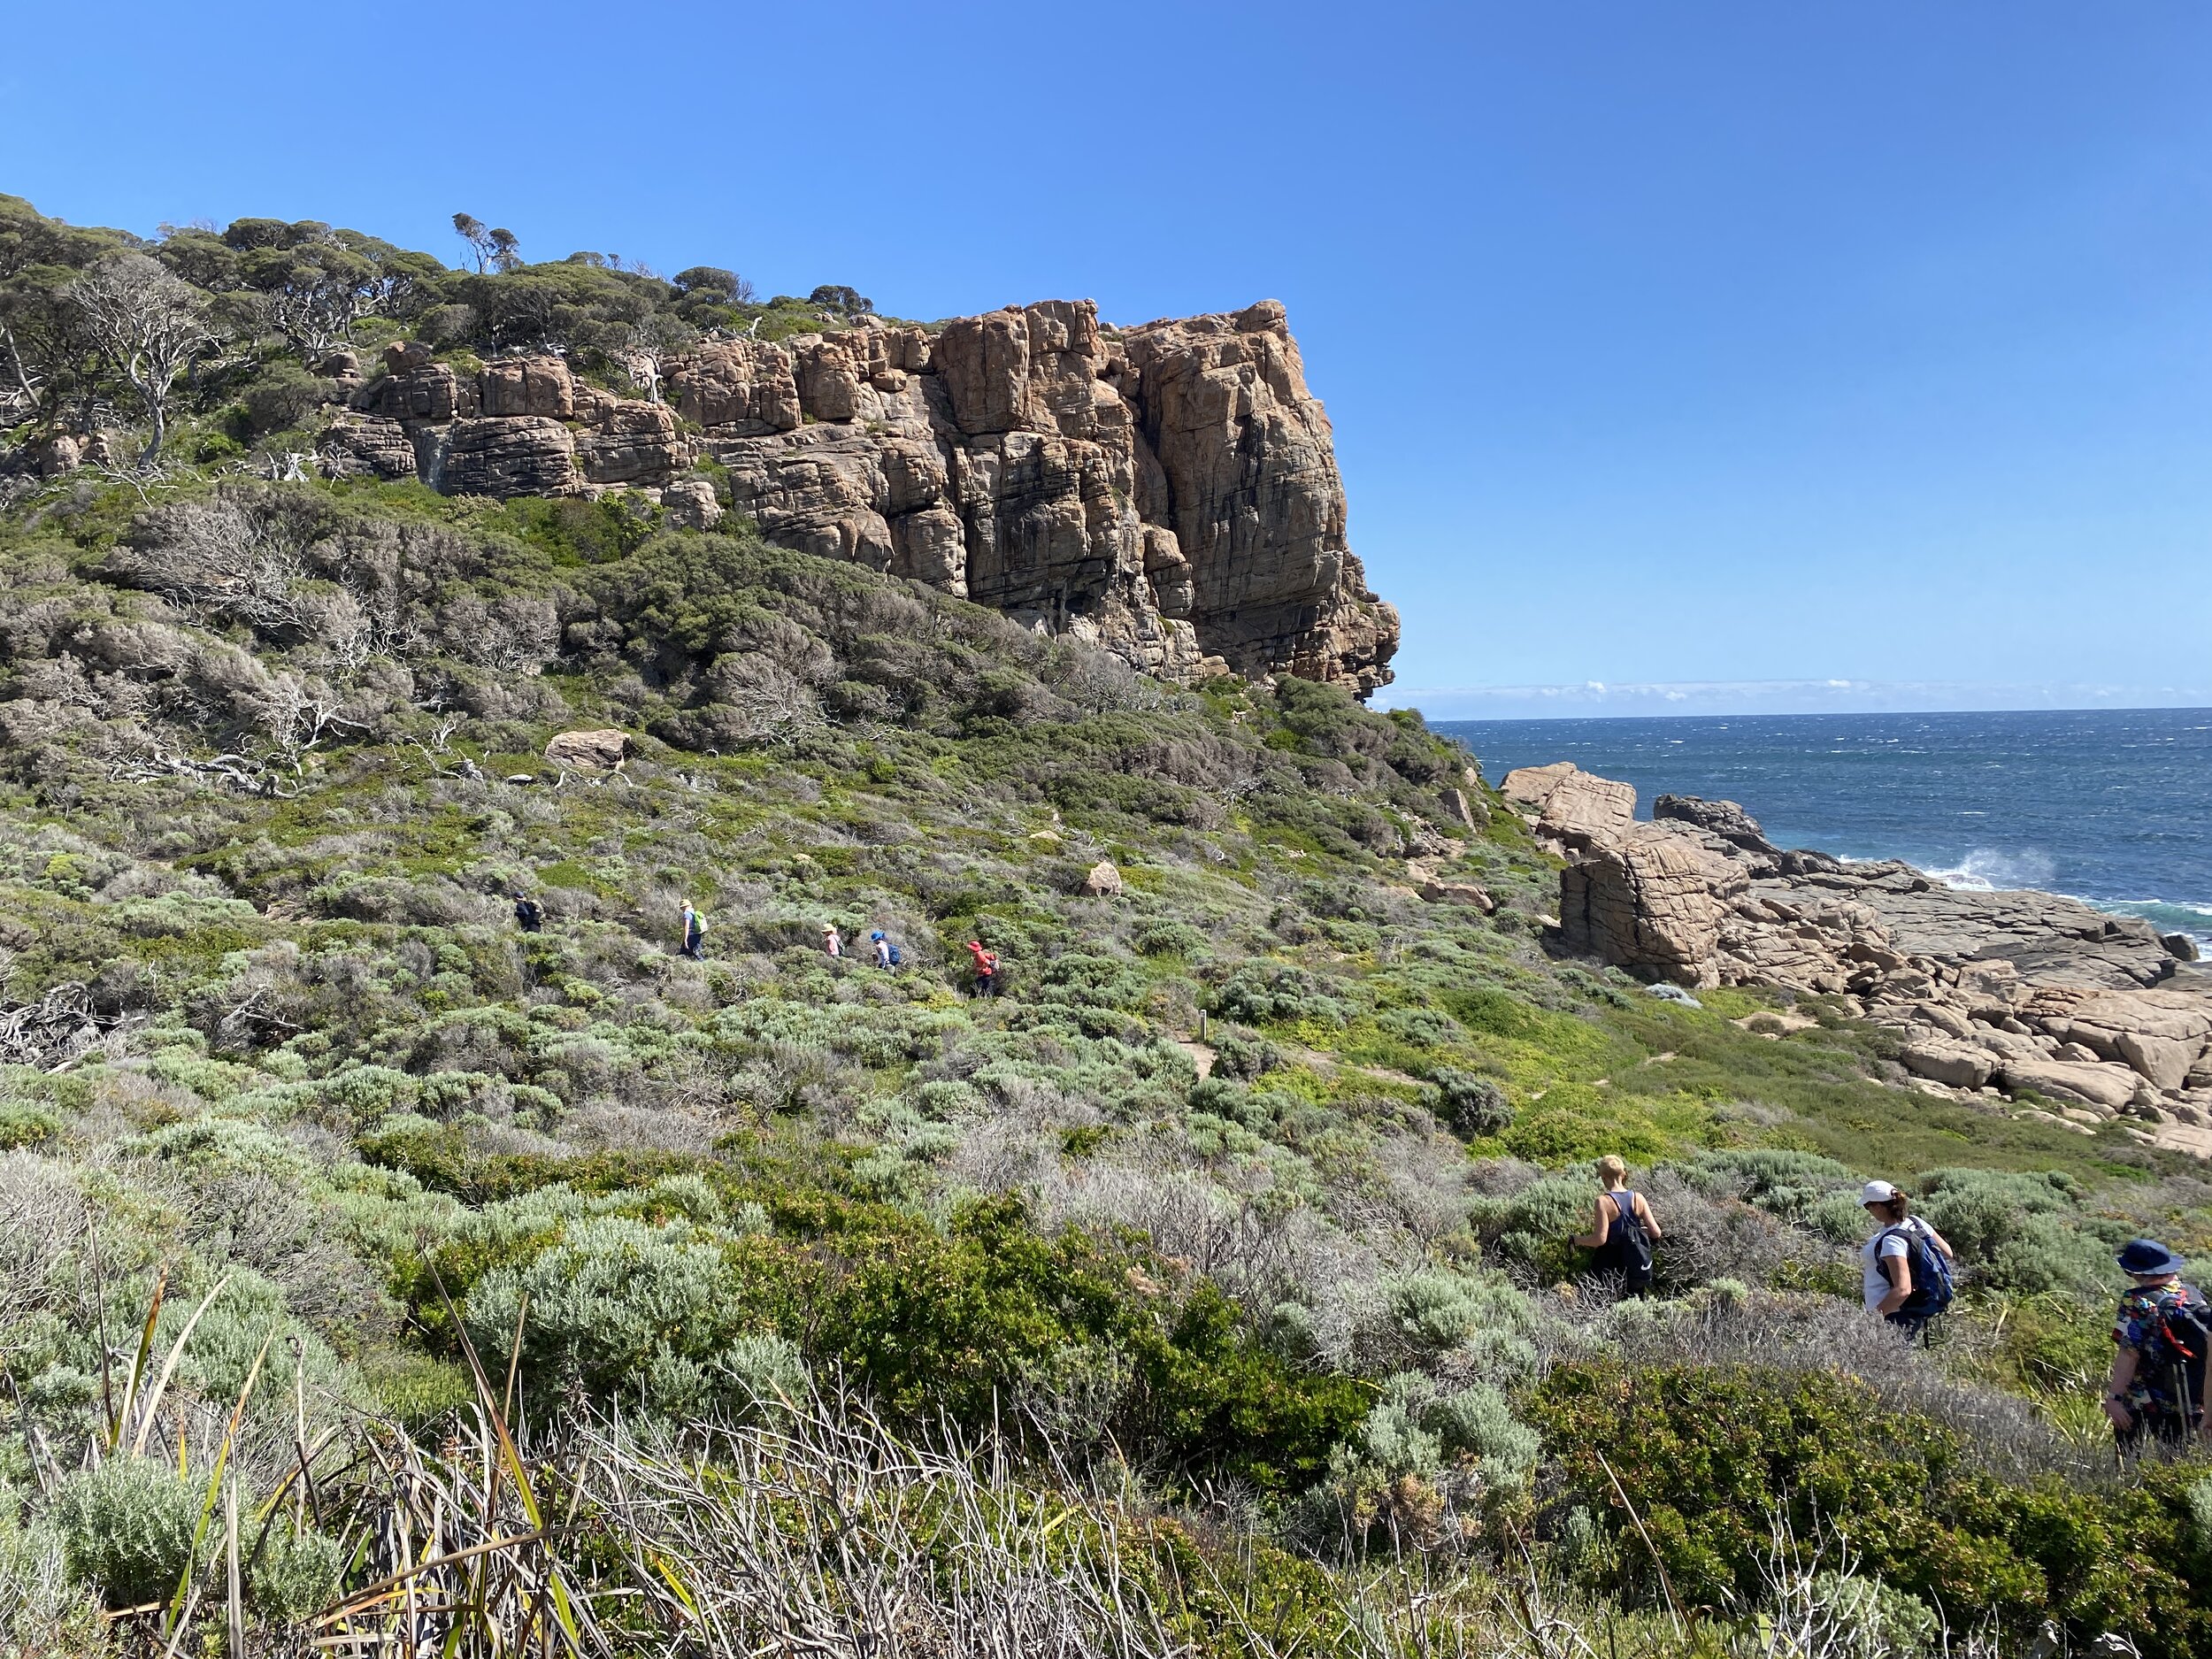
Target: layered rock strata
[
  {"x": 1168, "y": 492},
  {"x": 2012, "y": 993}
]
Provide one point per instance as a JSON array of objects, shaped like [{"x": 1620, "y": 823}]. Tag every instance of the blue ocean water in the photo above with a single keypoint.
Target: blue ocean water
[{"x": 2111, "y": 806}]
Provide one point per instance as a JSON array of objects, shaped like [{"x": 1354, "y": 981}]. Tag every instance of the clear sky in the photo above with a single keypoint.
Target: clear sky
[{"x": 1697, "y": 356}]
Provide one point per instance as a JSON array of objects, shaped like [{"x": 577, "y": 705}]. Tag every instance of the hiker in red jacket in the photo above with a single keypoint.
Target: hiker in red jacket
[{"x": 986, "y": 968}]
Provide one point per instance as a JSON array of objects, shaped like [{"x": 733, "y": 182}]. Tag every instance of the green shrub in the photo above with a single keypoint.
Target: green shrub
[
  {"x": 1707, "y": 1455},
  {"x": 127, "y": 1529},
  {"x": 620, "y": 1305},
  {"x": 2016, "y": 1231},
  {"x": 280, "y": 397},
  {"x": 1474, "y": 1106},
  {"x": 1428, "y": 1459},
  {"x": 296, "y": 1573},
  {"x": 24, "y": 1124},
  {"x": 1167, "y": 939},
  {"x": 1263, "y": 992}
]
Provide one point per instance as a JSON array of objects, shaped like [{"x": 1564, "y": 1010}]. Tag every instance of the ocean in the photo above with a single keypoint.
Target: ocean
[{"x": 2112, "y": 806}]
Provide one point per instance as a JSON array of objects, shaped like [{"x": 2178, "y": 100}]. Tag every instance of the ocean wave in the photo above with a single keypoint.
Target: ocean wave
[
  {"x": 2166, "y": 914},
  {"x": 1991, "y": 868},
  {"x": 1994, "y": 870}
]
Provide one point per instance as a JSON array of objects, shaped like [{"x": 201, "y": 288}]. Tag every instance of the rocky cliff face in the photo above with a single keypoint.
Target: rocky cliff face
[
  {"x": 1995, "y": 993},
  {"x": 1168, "y": 492}
]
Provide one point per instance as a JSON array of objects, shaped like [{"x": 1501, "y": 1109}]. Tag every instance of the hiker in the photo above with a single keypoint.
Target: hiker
[
  {"x": 1907, "y": 1263},
  {"x": 986, "y": 968},
  {"x": 529, "y": 914},
  {"x": 1625, "y": 1232},
  {"x": 831, "y": 943},
  {"x": 886, "y": 953},
  {"x": 2160, "y": 1381},
  {"x": 695, "y": 933}
]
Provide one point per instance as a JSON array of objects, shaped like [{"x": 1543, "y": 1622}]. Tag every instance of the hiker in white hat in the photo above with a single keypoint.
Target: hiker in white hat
[{"x": 1906, "y": 1263}]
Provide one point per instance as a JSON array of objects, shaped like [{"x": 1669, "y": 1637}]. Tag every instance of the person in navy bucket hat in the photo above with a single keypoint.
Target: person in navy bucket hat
[
  {"x": 2157, "y": 1390},
  {"x": 2146, "y": 1258}
]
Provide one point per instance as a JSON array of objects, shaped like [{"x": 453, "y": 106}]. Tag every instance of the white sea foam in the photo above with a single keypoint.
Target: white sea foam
[{"x": 1989, "y": 869}]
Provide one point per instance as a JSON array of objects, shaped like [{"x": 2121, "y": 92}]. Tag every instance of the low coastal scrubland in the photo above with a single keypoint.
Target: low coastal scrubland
[{"x": 372, "y": 1270}]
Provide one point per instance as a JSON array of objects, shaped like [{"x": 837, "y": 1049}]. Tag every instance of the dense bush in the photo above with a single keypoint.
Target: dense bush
[
  {"x": 1706, "y": 1454},
  {"x": 126, "y": 1527}
]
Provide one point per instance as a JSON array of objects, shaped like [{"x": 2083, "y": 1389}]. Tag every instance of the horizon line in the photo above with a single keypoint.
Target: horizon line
[{"x": 1800, "y": 714}]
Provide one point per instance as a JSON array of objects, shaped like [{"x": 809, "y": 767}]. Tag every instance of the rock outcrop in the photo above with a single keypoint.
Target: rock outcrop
[
  {"x": 1573, "y": 809},
  {"x": 1168, "y": 492},
  {"x": 600, "y": 751},
  {"x": 2021, "y": 993}
]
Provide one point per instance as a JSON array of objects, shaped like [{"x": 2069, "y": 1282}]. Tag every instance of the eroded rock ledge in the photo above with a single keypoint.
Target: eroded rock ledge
[
  {"x": 1169, "y": 492},
  {"x": 2006, "y": 994}
]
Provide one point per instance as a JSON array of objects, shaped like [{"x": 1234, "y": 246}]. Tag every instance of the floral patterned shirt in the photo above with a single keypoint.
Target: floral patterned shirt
[{"x": 2146, "y": 1324}]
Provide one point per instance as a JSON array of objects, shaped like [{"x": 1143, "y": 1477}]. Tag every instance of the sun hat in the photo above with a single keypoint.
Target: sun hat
[
  {"x": 875, "y": 935},
  {"x": 2145, "y": 1258},
  {"x": 1878, "y": 1192}
]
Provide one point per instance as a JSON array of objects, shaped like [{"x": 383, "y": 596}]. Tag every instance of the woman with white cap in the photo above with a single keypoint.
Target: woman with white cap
[{"x": 1906, "y": 1263}]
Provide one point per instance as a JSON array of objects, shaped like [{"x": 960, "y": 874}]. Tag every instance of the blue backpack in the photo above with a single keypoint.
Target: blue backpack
[
  {"x": 897, "y": 955},
  {"x": 1932, "y": 1284}
]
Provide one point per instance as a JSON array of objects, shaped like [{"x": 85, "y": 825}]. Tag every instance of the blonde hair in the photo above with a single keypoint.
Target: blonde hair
[{"x": 1612, "y": 1171}]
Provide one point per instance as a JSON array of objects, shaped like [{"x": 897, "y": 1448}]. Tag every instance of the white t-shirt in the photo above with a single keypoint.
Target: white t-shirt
[{"x": 1891, "y": 1242}]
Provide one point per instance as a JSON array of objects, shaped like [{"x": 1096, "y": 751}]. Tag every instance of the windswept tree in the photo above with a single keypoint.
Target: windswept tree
[
  {"x": 43, "y": 351},
  {"x": 506, "y": 249},
  {"x": 474, "y": 231},
  {"x": 148, "y": 324}
]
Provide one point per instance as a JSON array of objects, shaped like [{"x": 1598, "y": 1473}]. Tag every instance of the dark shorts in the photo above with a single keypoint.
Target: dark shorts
[{"x": 1914, "y": 1327}]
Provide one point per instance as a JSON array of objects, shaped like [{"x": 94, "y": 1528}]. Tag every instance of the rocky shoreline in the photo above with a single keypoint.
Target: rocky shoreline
[{"x": 2030, "y": 998}]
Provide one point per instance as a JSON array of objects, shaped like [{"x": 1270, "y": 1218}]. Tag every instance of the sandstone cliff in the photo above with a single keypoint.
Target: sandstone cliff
[
  {"x": 1999, "y": 993},
  {"x": 1169, "y": 492}
]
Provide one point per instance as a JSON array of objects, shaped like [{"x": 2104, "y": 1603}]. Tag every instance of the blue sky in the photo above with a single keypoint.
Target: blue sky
[{"x": 1701, "y": 357}]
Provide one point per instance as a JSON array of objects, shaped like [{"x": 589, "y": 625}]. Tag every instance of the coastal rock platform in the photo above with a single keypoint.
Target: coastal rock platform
[{"x": 2034, "y": 997}]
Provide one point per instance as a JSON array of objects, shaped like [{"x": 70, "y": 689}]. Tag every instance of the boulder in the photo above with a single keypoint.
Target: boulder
[
  {"x": 736, "y": 388},
  {"x": 2180, "y": 947},
  {"x": 1653, "y": 898},
  {"x": 1945, "y": 1019},
  {"x": 602, "y": 751},
  {"x": 431, "y": 391},
  {"x": 2165, "y": 1061},
  {"x": 1102, "y": 881},
  {"x": 515, "y": 454},
  {"x": 2108, "y": 1087},
  {"x": 1724, "y": 818},
  {"x": 984, "y": 363},
  {"x": 1469, "y": 814},
  {"x": 62, "y": 452},
  {"x": 829, "y": 376},
  {"x": 1577, "y": 806},
  {"x": 1945, "y": 1060},
  {"x": 1459, "y": 893},
  {"x": 366, "y": 446},
  {"x": 636, "y": 444},
  {"x": 692, "y": 505},
  {"x": 528, "y": 386}
]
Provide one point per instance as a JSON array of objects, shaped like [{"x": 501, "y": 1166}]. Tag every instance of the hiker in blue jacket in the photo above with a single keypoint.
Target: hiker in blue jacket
[{"x": 1624, "y": 1233}]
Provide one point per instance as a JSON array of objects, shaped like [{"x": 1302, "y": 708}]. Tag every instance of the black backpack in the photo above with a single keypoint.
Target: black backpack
[
  {"x": 1629, "y": 1244},
  {"x": 1932, "y": 1285},
  {"x": 2175, "y": 1365}
]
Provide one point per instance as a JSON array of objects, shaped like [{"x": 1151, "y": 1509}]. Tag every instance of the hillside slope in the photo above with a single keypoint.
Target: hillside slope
[{"x": 378, "y": 1272}]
